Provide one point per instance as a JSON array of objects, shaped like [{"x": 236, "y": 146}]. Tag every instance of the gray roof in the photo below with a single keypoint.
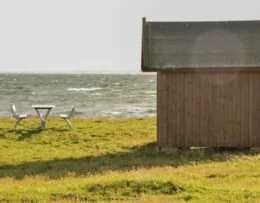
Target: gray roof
[{"x": 201, "y": 44}]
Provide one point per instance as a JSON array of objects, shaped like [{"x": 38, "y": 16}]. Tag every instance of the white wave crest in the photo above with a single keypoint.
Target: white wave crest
[{"x": 84, "y": 89}]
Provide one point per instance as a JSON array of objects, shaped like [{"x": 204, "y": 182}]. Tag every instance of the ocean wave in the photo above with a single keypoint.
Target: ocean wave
[
  {"x": 96, "y": 94},
  {"x": 114, "y": 112},
  {"x": 84, "y": 89},
  {"x": 130, "y": 109},
  {"x": 150, "y": 92},
  {"x": 117, "y": 90},
  {"x": 93, "y": 95}
]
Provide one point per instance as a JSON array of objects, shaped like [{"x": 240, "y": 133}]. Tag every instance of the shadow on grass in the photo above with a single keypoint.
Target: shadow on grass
[
  {"x": 23, "y": 134},
  {"x": 144, "y": 156}
]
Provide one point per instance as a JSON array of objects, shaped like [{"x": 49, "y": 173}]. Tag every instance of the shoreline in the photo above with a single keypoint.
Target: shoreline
[{"x": 86, "y": 118}]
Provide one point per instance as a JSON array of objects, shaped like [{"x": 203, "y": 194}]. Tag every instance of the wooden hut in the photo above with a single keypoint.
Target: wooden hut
[{"x": 208, "y": 82}]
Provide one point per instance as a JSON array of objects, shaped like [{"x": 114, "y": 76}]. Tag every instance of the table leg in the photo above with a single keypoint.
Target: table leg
[
  {"x": 42, "y": 118},
  {"x": 45, "y": 117},
  {"x": 47, "y": 113},
  {"x": 43, "y": 123}
]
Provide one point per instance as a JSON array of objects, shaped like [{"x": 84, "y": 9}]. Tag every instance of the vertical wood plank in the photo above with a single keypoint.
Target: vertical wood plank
[
  {"x": 191, "y": 106},
  {"x": 198, "y": 110},
  {"x": 244, "y": 137},
  {"x": 186, "y": 113},
  {"x": 207, "y": 113},
  {"x": 246, "y": 118},
  {"x": 169, "y": 113},
  {"x": 173, "y": 111},
  {"x": 162, "y": 122},
  {"x": 253, "y": 107},
  {"x": 239, "y": 109},
  {"x": 175, "y": 108},
  {"x": 189, "y": 102},
  {"x": 182, "y": 86},
  {"x": 250, "y": 108},
  {"x": 213, "y": 114},
  {"x": 210, "y": 129},
  {"x": 220, "y": 119},
  {"x": 235, "y": 119},
  {"x": 225, "y": 101},
  {"x": 247, "y": 104},
  {"x": 159, "y": 109},
  {"x": 224, "y": 112},
  {"x": 229, "y": 115},
  {"x": 167, "y": 103},
  {"x": 183, "y": 123},
  {"x": 178, "y": 110},
  {"x": 203, "y": 108},
  {"x": 221, "y": 124},
  {"x": 257, "y": 111},
  {"x": 214, "y": 111},
  {"x": 194, "y": 128},
  {"x": 242, "y": 108},
  {"x": 232, "y": 114}
]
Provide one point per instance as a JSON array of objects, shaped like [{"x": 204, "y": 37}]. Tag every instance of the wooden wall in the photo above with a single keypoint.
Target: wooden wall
[{"x": 208, "y": 108}]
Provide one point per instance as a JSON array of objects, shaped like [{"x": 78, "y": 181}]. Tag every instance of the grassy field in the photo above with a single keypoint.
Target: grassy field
[{"x": 116, "y": 160}]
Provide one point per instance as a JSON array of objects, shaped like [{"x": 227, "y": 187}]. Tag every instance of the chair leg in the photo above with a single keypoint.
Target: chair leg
[
  {"x": 17, "y": 122},
  {"x": 68, "y": 122}
]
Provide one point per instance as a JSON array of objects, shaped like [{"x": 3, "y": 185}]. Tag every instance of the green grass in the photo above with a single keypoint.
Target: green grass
[{"x": 116, "y": 160}]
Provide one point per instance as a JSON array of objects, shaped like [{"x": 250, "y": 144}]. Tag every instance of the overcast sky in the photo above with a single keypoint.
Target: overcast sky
[{"x": 98, "y": 36}]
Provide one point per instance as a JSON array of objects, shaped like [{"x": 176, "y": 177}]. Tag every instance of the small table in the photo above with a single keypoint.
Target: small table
[{"x": 42, "y": 116}]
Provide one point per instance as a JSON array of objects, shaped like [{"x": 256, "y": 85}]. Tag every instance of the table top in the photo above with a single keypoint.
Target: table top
[{"x": 43, "y": 106}]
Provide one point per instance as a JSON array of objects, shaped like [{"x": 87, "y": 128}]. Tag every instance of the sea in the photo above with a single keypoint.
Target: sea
[{"x": 93, "y": 95}]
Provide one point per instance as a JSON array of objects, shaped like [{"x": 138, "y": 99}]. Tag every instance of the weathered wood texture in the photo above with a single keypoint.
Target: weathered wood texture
[{"x": 208, "y": 108}]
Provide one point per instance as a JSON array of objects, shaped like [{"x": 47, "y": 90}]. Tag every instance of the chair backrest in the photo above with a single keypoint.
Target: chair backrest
[
  {"x": 13, "y": 108},
  {"x": 71, "y": 112}
]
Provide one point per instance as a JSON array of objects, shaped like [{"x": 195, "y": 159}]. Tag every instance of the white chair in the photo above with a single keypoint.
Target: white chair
[
  {"x": 18, "y": 117},
  {"x": 66, "y": 117}
]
